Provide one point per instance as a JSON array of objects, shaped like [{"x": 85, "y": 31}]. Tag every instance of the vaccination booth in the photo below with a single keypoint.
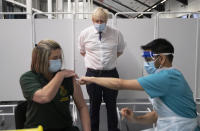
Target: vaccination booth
[{"x": 19, "y": 36}]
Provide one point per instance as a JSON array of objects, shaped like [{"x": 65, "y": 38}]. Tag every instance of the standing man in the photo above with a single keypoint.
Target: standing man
[{"x": 101, "y": 45}]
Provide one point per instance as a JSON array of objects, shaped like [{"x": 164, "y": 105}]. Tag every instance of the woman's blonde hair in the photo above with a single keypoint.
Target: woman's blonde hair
[
  {"x": 100, "y": 13},
  {"x": 41, "y": 54}
]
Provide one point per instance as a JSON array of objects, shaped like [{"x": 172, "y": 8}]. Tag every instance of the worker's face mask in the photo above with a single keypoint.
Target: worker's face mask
[
  {"x": 150, "y": 67},
  {"x": 100, "y": 27},
  {"x": 149, "y": 64},
  {"x": 55, "y": 65}
]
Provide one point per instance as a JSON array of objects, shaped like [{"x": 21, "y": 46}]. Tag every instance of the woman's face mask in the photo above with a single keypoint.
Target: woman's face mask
[
  {"x": 55, "y": 65},
  {"x": 100, "y": 27}
]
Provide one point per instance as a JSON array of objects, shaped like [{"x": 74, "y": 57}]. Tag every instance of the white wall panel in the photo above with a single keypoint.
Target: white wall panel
[
  {"x": 15, "y": 52},
  {"x": 198, "y": 65},
  {"x": 136, "y": 32},
  {"x": 182, "y": 34},
  {"x": 60, "y": 31},
  {"x": 79, "y": 60}
]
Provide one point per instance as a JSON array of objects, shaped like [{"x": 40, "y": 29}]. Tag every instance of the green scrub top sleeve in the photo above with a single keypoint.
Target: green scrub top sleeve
[{"x": 29, "y": 84}]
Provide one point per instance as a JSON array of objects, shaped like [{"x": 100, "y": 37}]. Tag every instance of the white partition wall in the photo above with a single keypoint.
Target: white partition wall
[
  {"x": 198, "y": 65},
  {"x": 79, "y": 60},
  {"x": 182, "y": 34},
  {"x": 15, "y": 52},
  {"x": 136, "y": 32},
  {"x": 60, "y": 31}
]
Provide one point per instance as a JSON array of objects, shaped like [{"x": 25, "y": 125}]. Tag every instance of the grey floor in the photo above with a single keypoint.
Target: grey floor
[{"x": 8, "y": 121}]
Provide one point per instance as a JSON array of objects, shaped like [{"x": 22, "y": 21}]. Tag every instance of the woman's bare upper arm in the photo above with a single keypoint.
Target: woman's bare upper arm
[{"x": 78, "y": 95}]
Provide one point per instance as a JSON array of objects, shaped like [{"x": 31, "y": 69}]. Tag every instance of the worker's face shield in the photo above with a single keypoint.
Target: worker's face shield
[{"x": 149, "y": 56}]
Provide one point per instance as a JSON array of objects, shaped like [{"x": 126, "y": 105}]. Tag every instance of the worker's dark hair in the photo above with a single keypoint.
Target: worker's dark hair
[{"x": 160, "y": 45}]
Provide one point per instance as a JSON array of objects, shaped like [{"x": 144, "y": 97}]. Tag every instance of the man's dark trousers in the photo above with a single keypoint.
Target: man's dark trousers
[{"x": 96, "y": 93}]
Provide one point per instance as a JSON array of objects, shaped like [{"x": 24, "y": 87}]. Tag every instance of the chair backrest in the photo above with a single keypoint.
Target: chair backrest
[{"x": 20, "y": 114}]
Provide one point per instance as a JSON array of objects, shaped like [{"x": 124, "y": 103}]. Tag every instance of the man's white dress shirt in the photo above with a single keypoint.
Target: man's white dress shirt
[{"x": 101, "y": 55}]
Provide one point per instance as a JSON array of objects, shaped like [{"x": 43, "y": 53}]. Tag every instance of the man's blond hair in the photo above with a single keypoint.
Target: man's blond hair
[{"x": 100, "y": 13}]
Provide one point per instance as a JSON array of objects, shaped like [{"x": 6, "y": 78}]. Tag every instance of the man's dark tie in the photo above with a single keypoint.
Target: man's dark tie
[{"x": 100, "y": 33}]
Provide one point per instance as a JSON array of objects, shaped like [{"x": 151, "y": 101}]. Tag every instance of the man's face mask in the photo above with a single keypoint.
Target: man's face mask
[
  {"x": 149, "y": 64},
  {"x": 150, "y": 67},
  {"x": 55, "y": 65},
  {"x": 100, "y": 27}
]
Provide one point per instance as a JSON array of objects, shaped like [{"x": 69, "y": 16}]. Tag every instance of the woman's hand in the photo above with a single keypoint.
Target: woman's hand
[
  {"x": 84, "y": 80},
  {"x": 128, "y": 114},
  {"x": 68, "y": 73}
]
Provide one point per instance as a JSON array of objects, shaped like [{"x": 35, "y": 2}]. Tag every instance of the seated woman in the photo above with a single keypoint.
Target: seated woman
[{"x": 47, "y": 90}]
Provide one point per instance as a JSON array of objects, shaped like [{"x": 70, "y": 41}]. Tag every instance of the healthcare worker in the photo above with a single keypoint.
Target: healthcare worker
[{"x": 172, "y": 98}]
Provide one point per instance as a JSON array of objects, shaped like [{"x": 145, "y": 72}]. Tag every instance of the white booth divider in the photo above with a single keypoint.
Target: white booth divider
[
  {"x": 16, "y": 48},
  {"x": 182, "y": 34},
  {"x": 79, "y": 60},
  {"x": 60, "y": 31},
  {"x": 136, "y": 32},
  {"x": 15, "y": 52}
]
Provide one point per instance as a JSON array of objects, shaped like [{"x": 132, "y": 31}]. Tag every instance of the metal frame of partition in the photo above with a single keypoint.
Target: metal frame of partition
[
  {"x": 8, "y": 114},
  {"x": 196, "y": 97}
]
